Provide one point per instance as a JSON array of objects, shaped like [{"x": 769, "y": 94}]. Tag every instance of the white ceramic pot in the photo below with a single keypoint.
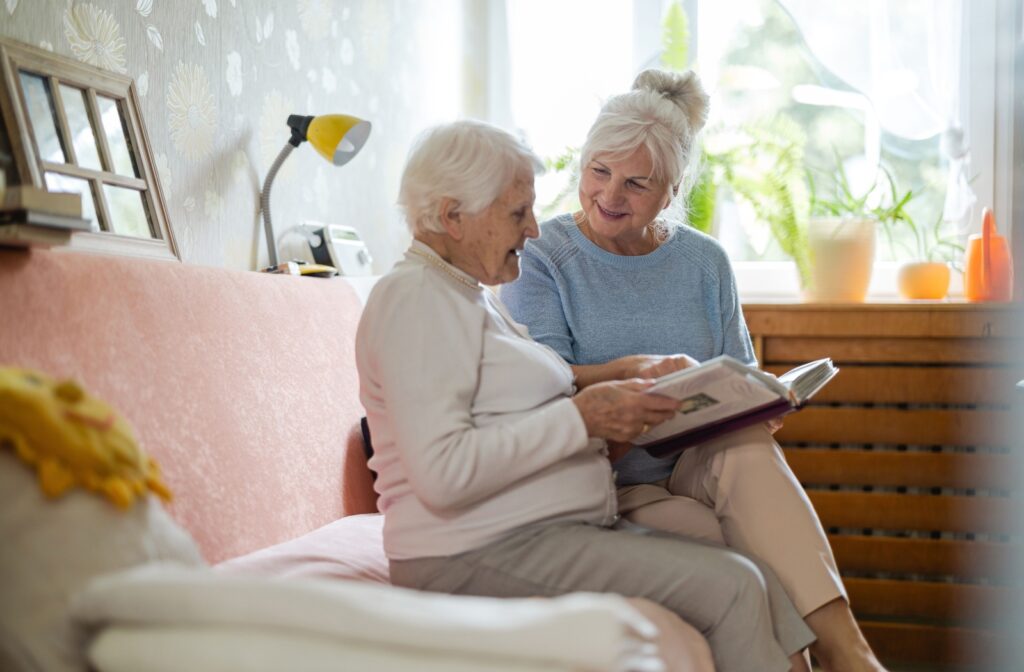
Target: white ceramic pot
[{"x": 842, "y": 256}]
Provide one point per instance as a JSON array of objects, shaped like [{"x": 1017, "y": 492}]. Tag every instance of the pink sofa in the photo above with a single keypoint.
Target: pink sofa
[{"x": 241, "y": 385}]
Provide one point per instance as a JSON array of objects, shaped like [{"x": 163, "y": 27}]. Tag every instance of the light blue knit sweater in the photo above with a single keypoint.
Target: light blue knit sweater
[{"x": 592, "y": 306}]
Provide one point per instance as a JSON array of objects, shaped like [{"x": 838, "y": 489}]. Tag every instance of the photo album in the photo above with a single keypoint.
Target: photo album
[{"x": 724, "y": 394}]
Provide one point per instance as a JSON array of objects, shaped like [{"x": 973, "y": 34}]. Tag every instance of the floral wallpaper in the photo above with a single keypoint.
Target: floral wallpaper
[{"x": 218, "y": 79}]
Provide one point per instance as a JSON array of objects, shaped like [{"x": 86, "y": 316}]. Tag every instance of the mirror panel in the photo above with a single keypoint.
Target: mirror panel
[
  {"x": 39, "y": 101},
  {"x": 82, "y": 136},
  {"x": 117, "y": 137},
  {"x": 127, "y": 212}
]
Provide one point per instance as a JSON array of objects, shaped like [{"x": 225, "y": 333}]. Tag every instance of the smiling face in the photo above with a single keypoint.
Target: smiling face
[
  {"x": 620, "y": 199},
  {"x": 486, "y": 245}
]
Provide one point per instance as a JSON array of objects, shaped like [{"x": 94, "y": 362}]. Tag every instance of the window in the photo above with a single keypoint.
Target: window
[
  {"x": 72, "y": 127},
  {"x": 868, "y": 90},
  {"x": 771, "y": 66}
]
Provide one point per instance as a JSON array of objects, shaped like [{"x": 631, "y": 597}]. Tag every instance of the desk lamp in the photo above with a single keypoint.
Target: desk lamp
[{"x": 337, "y": 138}]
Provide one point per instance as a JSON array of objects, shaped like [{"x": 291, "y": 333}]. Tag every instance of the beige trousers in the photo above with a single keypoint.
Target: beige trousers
[
  {"x": 737, "y": 490},
  {"x": 739, "y": 606}
]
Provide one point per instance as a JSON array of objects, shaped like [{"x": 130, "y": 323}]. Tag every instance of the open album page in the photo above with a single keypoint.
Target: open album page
[{"x": 718, "y": 392}]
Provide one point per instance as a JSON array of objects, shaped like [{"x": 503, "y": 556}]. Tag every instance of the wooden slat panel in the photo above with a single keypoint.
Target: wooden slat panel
[
  {"x": 890, "y": 468},
  {"x": 937, "y": 557},
  {"x": 949, "y": 341},
  {"x": 758, "y": 343},
  {"x": 918, "y": 385},
  {"x": 953, "y": 603},
  {"x": 960, "y": 648},
  {"x": 882, "y": 511},
  {"x": 961, "y": 427},
  {"x": 905, "y": 350},
  {"x": 899, "y": 320}
]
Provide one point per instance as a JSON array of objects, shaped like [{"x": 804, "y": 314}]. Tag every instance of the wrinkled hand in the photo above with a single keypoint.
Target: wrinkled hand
[
  {"x": 620, "y": 411},
  {"x": 654, "y": 366}
]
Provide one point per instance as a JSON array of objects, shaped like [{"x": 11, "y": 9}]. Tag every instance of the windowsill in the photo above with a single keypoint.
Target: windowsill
[{"x": 777, "y": 281}]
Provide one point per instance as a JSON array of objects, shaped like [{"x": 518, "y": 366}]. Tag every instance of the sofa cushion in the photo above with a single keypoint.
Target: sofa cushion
[
  {"x": 221, "y": 648},
  {"x": 52, "y": 548},
  {"x": 349, "y": 548},
  {"x": 241, "y": 385},
  {"x": 529, "y": 631}
]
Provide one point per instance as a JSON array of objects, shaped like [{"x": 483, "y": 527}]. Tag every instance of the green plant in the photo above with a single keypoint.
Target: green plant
[
  {"x": 675, "y": 38},
  {"x": 886, "y": 204},
  {"x": 843, "y": 202},
  {"x": 930, "y": 243},
  {"x": 933, "y": 244},
  {"x": 566, "y": 199},
  {"x": 761, "y": 164}
]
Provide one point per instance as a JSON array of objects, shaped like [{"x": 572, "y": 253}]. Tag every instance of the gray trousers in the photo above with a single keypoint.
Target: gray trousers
[{"x": 735, "y": 602}]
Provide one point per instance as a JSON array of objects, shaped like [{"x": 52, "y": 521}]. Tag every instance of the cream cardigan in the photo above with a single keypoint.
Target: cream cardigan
[{"x": 474, "y": 432}]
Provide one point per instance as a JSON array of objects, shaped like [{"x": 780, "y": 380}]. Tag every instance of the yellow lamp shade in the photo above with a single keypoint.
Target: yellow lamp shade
[{"x": 338, "y": 137}]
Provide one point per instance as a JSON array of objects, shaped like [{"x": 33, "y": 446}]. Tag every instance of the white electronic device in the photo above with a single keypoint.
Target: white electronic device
[{"x": 341, "y": 247}]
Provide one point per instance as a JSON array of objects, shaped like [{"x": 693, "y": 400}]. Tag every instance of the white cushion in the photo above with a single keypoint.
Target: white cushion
[
  {"x": 51, "y": 548},
  {"x": 349, "y": 548},
  {"x": 588, "y": 631},
  {"x": 230, "y": 649}
]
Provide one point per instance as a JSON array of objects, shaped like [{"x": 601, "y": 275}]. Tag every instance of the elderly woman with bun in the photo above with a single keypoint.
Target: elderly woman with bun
[
  {"x": 623, "y": 275},
  {"x": 492, "y": 467}
]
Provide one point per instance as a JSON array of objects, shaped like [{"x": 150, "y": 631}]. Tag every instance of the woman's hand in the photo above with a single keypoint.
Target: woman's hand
[
  {"x": 620, "y": 411},
  {"x": 631, "y": 366},
  {"x": 656, "y": 366},
  {"x": 773, "y": 425}
]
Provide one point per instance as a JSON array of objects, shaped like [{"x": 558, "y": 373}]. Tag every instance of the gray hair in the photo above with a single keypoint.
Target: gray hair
[
  {"x": 663, "y": 112},
  {"x": 469, "y": 161}
]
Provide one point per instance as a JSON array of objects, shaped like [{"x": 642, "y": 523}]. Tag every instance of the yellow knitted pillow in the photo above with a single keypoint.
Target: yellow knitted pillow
[{"x": 72, "y": 438}]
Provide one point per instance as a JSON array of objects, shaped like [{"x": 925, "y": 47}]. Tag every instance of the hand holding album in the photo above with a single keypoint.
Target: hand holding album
[
  {"x": 723, "y": 395},
  {"x": 659, "y": 366}
]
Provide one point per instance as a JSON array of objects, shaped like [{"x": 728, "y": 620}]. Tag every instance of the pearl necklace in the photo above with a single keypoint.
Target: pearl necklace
[{"x": 442, "y": 266}]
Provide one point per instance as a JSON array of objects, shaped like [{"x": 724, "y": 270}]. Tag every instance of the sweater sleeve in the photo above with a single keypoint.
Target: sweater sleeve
[
  {"x": 734, "y": 327},
  {"x": 533, "y": 299},
  {"x": 429, "y": 363}
]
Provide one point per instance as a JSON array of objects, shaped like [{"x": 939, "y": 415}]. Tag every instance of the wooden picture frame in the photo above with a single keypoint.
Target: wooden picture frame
[{"x": 120, "y": 226}]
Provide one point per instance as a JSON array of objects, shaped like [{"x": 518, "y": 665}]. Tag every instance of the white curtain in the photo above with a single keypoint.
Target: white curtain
[{"x": 905, "y": 57}]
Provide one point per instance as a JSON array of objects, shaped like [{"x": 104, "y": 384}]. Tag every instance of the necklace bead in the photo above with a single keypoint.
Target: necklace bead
[{"x": 445, "y": 268}]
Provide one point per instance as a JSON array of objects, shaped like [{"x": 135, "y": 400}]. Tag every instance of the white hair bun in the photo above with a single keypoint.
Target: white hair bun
[{"x": 682, "y": 89}]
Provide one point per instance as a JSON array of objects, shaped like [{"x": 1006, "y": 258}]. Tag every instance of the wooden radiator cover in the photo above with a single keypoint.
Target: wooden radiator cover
[{"x": 907, "y": 458}]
